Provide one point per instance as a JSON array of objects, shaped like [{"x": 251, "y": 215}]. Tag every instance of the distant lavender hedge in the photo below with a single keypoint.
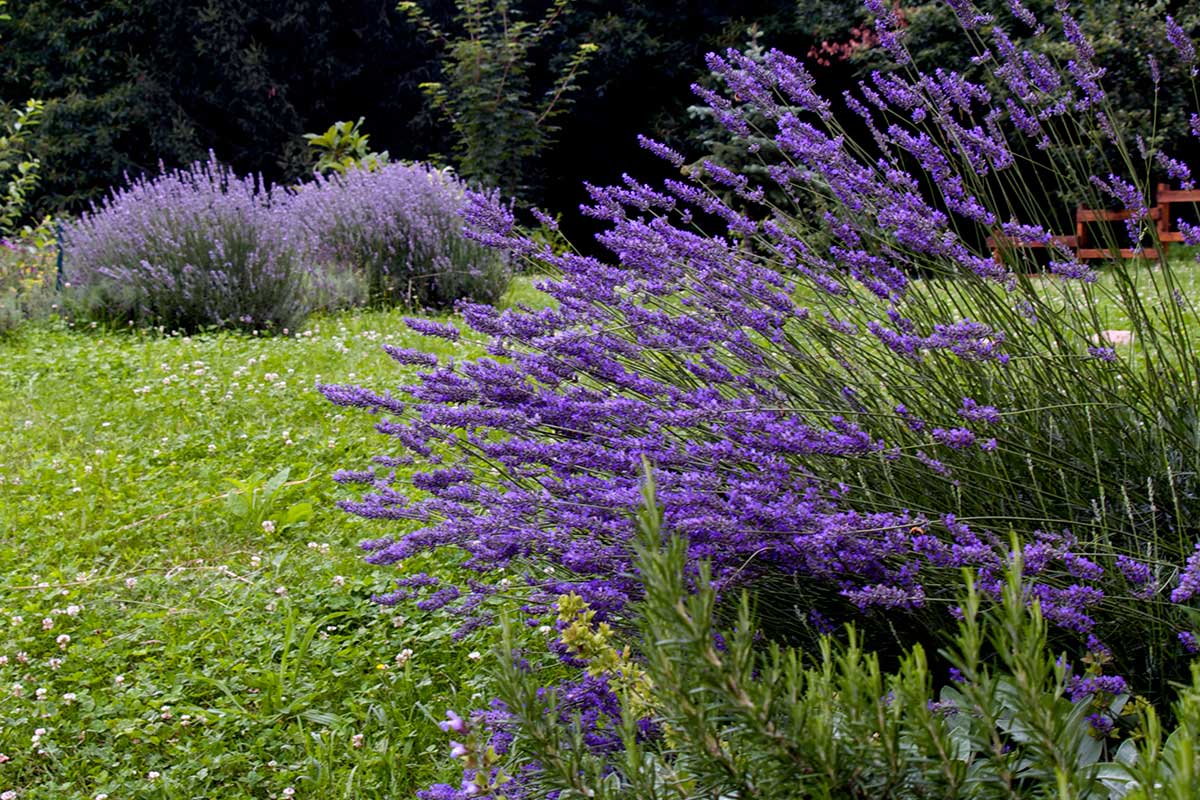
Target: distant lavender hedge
[
  {"x": 400, "y": 228},
  {"x": 190, "y": 249}
]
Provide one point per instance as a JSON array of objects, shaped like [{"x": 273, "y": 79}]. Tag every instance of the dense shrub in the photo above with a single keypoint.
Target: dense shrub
[
  {"x": 400, "y": 227},
  {"x": 847, "y": 408},
  {"x": 190, "y": 249}
]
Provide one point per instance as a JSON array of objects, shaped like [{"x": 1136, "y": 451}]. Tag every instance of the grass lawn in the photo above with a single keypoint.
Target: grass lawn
[{"x": 184, "y": 612}]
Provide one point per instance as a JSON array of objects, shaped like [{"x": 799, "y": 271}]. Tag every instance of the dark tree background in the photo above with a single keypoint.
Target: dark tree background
[{"x": 132, "y": 83}]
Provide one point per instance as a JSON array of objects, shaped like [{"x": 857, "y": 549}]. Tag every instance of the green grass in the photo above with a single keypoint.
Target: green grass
[{"x": 232, "y": 660}]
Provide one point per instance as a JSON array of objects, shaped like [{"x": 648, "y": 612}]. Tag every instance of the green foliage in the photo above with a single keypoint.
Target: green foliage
[
  {"x": 27, "y": 275},
  {"x": 740, "y": 719},
  {"x": 18, "y": 168},
  {"x": 344, "y": 146},
  {"x": 136, "y": 471},
  {"x": 488, "y": 93}
]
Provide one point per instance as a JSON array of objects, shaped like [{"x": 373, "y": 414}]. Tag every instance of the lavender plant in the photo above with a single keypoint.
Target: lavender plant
[
  {"x": 192, "y": 248},
  {"x": 845, "y": 408},
  {"x": 400, "y": 227},
  {"x": 705, "y": 712}
]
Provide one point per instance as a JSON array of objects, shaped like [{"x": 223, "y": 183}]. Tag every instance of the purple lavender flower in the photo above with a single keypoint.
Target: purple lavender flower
[
  {"x": 972, "y": 411},
  {"x": 1189, "y": 579},
  {"x": 1176, "y": 170},
  {"x": 427, "y": 327},
  {"x": 1079, "y": 688},
  {"x": 957, "y": 438},
  {"x": 1139, "y": 576},
  {"x": 1182, "y": 43},
  {"x": 889, "y": 28}
]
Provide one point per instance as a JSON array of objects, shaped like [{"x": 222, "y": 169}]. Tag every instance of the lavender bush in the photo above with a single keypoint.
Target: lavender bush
[
  {"x": 400, "y": 227},
  {"x": 192, "y": 248},
  {"x": 845, "y": 408},
  {"x": 1015, "y": 720}
]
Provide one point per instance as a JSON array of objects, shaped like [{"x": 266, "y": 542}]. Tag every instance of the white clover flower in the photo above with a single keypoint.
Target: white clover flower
[
  {"x": 356, "y": 740},
  {"x": 338, "y": 580},
  {"x": 130, "y": 583},
  {"x": 268, "y": 525},
  {"x": 153, "y": 775},
  {"x": 73, "y": 611},
  {"x": 119, "y": 680},
  {"x": 40, "y": 694},
  {"x": 62, "y": 641},
  {"x": 8, "y": 795},
  {"x": 474, "y": 655},
  {"x": 403, "y": 657},
  {"x": 69, "y": 697}
]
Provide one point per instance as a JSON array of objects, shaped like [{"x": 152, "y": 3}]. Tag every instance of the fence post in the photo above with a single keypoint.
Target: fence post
[{"x": 58, "y": 275}]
